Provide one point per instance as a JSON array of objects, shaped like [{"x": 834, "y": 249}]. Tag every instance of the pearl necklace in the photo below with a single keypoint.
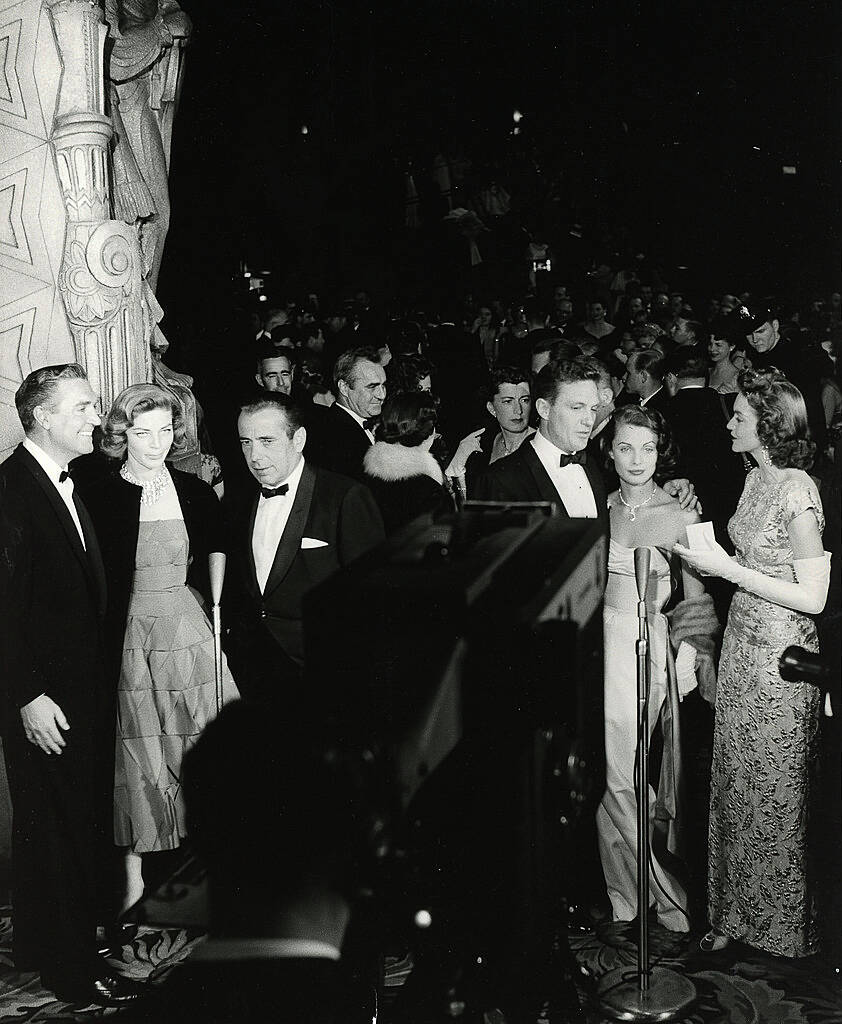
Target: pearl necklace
[
  {"x": 152, "y": 489},
  {"x": 632, "y": 513}
]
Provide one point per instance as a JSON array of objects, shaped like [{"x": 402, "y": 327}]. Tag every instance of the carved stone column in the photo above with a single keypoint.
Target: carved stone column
[{"x": 111, "y": 311}]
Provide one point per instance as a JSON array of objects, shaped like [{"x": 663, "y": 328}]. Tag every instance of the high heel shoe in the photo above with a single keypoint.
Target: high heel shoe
[{"x": 713, "y": 941}]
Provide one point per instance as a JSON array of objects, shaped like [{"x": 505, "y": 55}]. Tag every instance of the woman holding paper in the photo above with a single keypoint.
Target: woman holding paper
[
  {"x": 760, "y": 882},
  {"x": 642, "y": 515}
]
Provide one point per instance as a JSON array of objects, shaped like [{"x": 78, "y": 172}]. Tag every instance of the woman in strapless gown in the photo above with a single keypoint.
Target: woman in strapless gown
[
  {"x": 642, "y": 515},
  {"x": 157, "y": 527}
]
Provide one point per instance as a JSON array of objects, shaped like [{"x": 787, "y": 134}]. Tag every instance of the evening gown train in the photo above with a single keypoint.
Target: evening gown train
[
  {"x": 166, "y": 694},
  {"x": 617, "y": 813},
  {"x": 761, "y": 888}
]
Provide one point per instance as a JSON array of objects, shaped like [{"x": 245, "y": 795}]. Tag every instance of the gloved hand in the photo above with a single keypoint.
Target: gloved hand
[{"x": 807, "y": 594}]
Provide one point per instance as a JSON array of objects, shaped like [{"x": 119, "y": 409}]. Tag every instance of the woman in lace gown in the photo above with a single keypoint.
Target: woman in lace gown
[
  {"x": 761, "y": 888},
  {"x": 156, "y": 528},
  {"x": 642, "y": 515}
]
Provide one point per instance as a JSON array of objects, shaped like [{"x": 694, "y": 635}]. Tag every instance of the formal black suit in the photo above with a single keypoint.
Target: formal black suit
[
  {"x": 659, "y": 402},
  {"x": 335, "y": 441},
  {"x": 53, "y": 598},
  {"x": 521, "y": 477},
  {"x": 266, "y": 638},
  {"x": 697, "y": 418}
]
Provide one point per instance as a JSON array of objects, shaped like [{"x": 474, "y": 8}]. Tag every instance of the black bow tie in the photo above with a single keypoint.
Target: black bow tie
[
  {"x": 63, "y": 475},
  {"x": 274, "y": 492},
  {"x": 370, "y": 424},
  {"x": 577, "y": 458}
]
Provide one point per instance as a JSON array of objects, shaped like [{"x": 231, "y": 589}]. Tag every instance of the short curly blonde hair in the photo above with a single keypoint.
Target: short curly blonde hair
[{"x": 132, "y": 402}]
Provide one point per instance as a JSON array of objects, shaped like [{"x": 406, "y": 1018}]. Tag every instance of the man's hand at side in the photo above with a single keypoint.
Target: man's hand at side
[{"x": 43, "y": 721}]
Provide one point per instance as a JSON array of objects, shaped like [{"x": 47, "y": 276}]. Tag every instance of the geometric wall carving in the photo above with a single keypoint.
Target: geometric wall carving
[
  {"x": 23, "y": 246},
  {"x": 23, "y": 38},
  {"x": 12, "y": 235}
]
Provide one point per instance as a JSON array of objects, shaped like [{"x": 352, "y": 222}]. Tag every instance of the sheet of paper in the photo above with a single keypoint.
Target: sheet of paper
[{"x": 701, "y": 536}]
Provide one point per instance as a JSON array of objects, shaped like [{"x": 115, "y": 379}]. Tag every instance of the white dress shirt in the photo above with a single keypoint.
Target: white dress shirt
[
  {"x": 648, "y": 398},
  {"x": 53, "y": 470},
  {"x": 368, "y": 433},
  {"x": 270, "y": 521},
  {"x": 571, "y": 481}
]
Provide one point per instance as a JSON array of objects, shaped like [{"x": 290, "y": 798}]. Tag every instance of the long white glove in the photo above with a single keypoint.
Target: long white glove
[{"x": 807, "y": 594}]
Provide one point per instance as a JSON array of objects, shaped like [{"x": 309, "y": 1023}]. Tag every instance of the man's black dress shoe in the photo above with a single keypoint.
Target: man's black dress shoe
[{"x": 106, "y": 990}]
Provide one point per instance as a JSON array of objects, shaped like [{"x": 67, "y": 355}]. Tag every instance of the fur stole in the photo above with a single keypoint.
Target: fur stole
[
  {"x": 694, "y": 620},
  {"x": 394, "y": 462}
]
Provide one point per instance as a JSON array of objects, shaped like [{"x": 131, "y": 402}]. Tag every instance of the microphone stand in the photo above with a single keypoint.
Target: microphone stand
[
  {"x": 656, "y": 993},
  {"x": 216, "y": 570}
]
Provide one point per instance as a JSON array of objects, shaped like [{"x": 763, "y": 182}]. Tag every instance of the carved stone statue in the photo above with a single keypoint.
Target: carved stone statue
[{"x": 147, "y": 39}]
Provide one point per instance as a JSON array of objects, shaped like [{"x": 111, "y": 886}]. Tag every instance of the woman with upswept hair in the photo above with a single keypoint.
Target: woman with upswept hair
[
  {"x": 156, "y": 527},
  {"x": 761, "y": 884},
  {"x": 399, "y": 468}
]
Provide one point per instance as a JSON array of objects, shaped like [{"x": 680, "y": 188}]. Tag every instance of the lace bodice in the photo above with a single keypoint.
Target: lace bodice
[{"x": 759, "y": 526}]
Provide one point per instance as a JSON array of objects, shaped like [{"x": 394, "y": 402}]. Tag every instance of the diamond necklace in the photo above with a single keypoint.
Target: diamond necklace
[
  {"x": 632, "y": 513},
  {"x": 152, "y": 489}
]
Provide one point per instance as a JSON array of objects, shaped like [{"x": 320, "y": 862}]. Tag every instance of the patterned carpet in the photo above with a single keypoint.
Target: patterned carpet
[
  {"x": 736, "y": 986},
  {"x": 149, "y": 957}
]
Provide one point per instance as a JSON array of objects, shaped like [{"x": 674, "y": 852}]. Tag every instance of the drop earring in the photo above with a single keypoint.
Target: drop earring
[{"x": 767, "y": 458}]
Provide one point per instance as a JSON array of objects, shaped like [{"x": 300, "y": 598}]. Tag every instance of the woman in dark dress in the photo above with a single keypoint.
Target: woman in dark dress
[
  {"x": 156, "y": 527},
  {"x": 401, "y": 472}
]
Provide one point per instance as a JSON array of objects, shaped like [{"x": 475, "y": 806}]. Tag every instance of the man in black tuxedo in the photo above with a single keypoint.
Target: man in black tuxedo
[
  {"x": 302, "y": 525},
  {"x": 645, "y": 379},
  {"x": 342, "y": 434},
  {"x": 553, "y": 465},
  {"x": 696, "y": 416},
  {"x": 57, "y": 716}
]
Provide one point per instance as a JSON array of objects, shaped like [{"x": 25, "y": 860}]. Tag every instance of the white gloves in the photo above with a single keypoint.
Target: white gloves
[{"x": 807, "y": 594}]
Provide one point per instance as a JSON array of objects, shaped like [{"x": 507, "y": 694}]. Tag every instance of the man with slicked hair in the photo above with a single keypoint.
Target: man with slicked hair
[
  {"x": 298, "y": 525},
  {"x": 57, "y": 716},
  {"x": 341, "y": 435}
]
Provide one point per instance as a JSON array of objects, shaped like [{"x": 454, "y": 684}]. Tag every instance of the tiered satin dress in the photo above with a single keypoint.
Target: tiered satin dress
[{"x": 166, "y": 694}]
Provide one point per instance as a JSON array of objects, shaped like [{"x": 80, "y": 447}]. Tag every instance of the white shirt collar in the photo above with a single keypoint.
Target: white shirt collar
[
  {"x": 46, "y": 462},
  {"x": 544, "y": 447},
  {"x": 292, "y": 481},
  {"x": 643, "y": 401},
  {"x": 265, "y": 949}
]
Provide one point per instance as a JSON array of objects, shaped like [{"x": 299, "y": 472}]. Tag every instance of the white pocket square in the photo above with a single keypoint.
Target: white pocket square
[{"x": 312, "y": 542}]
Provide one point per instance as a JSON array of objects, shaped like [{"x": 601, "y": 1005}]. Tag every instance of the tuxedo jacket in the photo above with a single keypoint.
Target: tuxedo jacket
[
  {"x": 697, "y": 419},
  {"x": 335, "y": 441},
  {"x": 660, "y": 402},
  {"x": 333, "y": 521},
  {"x": 52, "y": 595},
  {"x": 114, "y": 505},
  {"x": 521, "y": 477}
]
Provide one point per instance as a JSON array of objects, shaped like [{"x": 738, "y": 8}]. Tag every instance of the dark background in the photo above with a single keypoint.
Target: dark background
[{"x": 649, "y": 112}]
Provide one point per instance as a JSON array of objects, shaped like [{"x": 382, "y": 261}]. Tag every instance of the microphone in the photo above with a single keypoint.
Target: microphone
[{"x": 641, "y": 571}]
